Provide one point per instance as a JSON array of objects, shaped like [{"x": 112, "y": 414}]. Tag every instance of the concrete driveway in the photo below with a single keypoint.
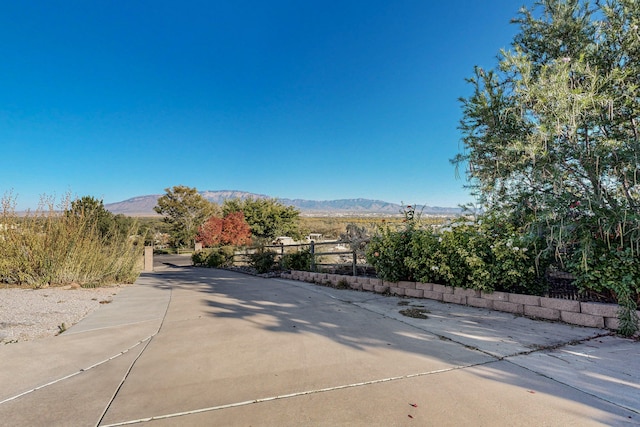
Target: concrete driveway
[{"x": 200, "y": 347}]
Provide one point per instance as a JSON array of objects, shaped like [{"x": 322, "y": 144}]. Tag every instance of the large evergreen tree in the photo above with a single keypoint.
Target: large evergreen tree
[{"x": 552, "y": 139}]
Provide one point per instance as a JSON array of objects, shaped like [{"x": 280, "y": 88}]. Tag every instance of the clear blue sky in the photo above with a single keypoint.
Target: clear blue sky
[{"x": 297, "y": 99}]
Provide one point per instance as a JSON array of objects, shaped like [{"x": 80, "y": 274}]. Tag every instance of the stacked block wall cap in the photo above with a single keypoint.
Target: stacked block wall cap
[
  {"x": 424, "y": 286},
  {"x": 375, "y": 281},
  {"x": 508, "y": 307},
  {"x": 414, "y": 293},
  {"x": 560, "y": 304},
  {"x": 437, "y": 296},
  {"x": 467, "y": 292},
  {"x": 496, "y": 296},
  {"x": 525, "y": 299},
  {"x": 397, "y": 290},
  {"x": 480, "y": 302},
  {"x": 368, "y": 287},
  {"x": 582, "y": 319},
  {"x": 599, "y": 309},
  {"x": 612, "y": 323},
  {"x": 541, "y": 312},
  {"x": 442, "y": 288},
  {"x": 454, "y": 299},
  {"x": 407, "y": 285},
  {"x": 363, "y": 280}
]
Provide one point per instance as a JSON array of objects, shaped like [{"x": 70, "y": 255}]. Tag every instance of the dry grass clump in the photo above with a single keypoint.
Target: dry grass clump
[{"x": 56, "y": 247}]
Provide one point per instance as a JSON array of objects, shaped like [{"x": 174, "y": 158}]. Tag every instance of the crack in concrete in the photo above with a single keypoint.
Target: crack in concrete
[
  {"x": 297, "y": 394},
  {"x": 126, "y": 375}
]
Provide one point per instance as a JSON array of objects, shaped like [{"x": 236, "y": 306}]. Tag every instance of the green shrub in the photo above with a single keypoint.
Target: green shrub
[
  {"x": 300, "y": 260},
  {"x": 390, "y": 248},
  {"x": 199, "y": 258},
  {"x": 424, "y": 247},
  {"x": 213, "y": 257},
  {"x": 387, "y": 252},
  {"x": 220, "y": 257},
  {"x": 487, "y": 254},
  {"x": 614, "y": 270},
  {"x": 263, "y": 262}
]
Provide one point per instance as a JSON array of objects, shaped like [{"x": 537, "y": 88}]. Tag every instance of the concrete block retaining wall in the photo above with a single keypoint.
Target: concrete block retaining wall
[{"x": 591, "y": 314}]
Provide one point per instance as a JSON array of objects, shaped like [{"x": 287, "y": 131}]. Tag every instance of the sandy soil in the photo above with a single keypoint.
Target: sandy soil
[{"x": 28, "y": 314}]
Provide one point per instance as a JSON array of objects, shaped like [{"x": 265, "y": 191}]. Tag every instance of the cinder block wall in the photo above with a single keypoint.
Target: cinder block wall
[{"x": 595, "y": 315}]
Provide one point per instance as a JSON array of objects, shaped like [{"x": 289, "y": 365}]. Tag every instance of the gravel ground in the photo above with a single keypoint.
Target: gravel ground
[{"x": 28, "y": 314}]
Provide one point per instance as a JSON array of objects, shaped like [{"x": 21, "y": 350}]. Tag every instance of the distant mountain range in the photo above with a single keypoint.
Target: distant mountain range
[{"x": 143, "y": 205}]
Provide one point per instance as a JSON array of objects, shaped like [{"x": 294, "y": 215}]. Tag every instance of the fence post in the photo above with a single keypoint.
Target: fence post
[
  {"x": 281, "y": 254},
  {"x": 355, "y": 263},
  {"x": 312, "y": 249},
  {"x": 148, "y": 258}
]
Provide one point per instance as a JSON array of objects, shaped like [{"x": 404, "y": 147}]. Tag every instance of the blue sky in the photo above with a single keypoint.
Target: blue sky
[{"x": 296, "y": 99}]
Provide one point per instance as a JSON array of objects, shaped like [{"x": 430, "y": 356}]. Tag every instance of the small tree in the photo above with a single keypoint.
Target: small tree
[
  {"x": 230, "y": 230},
  {"x": 267, "y": 218},
  {"x": 93, "y": 213},
  {"x": 357, "y": 237},
  {"x": 185, "y": 210}
]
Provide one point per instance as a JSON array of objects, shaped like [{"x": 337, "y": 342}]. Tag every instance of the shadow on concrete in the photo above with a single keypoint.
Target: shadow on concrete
[{"x": 499, "y": 345}]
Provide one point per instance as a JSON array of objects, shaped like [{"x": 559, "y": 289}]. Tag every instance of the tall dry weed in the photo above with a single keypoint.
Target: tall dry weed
[{"x": 49, "y": 247}]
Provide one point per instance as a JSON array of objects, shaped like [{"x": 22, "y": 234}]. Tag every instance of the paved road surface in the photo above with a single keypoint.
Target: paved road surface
[{"x": 201, "y": 347}]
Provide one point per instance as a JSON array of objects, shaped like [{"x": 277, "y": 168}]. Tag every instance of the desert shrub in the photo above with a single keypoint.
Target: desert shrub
[
  {"x": 214, "y": 257},
  {"x": 263, "y": 262},
  {"x": 458, "y": 260},
  {"x": 489, "y": 254},
  {"x": 390, "y": 247},
  {"x": 47, "y": 247},
  {"x": 198, "y": 258},
  {"x": 300, "y": 260},
  {"x": 424, "y": 246},
  {"x": 220, "y": 257},
  {"x": 486, "y": 254},
  {"x": 387, "y": 252}
]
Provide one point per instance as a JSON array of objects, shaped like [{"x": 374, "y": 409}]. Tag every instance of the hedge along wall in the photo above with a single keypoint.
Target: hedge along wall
[{"x": 591, "y": 314}]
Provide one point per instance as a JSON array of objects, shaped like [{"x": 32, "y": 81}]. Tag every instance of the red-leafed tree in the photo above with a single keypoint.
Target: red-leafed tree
[{"x": 229, "y": 230}]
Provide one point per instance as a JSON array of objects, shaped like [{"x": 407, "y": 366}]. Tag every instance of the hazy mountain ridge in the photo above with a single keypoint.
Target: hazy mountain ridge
[{"x": 143, "y": 205}]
